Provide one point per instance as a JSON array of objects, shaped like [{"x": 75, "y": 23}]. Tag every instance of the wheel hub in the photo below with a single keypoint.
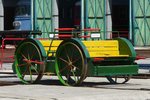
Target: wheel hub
[
  {"x": 27, "y": 61},
  {"x": 70, "y": 63}
]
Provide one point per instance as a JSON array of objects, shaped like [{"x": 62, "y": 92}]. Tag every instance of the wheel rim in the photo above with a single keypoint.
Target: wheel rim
[
  {"x": 70, "y": 64},
  {"x": 29, "y": 63},
  {"x": 118, "y": 79}
]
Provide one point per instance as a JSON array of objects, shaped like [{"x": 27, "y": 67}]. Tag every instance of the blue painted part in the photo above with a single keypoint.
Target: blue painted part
[
  {"x": 24, "y": 2},
  {"x": 25, "y": 22},
  {"x": 22, "y": 20},
  {"x": 144, "y": 66}
]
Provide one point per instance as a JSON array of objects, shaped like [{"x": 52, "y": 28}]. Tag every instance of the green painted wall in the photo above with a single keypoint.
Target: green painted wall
[
  {"x": 95, "y": 15},
  {"x": 92, "y": 15},
  {"x": 42, "y": 12},
  {"x": 141, "y": 22}
]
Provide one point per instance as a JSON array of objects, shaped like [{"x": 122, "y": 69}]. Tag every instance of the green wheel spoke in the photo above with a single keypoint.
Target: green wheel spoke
[
  {"x": 29, "y": 57},
  {"x": 75, "y": 67},
  {"x": 72, "y": 53},
  {"x": 63, "y": 69},
  {"x": 68, "y": 77},
  {"x": 24, "y": 56},
  {"x": 30, "y": 75},
  {"x": 67, "y": 55},
  {"x": 25, "y": 72},
  {"x": 33, "y": 66},
  {"x": 63, "y": 60},
  {"x": 22, "y": 65},
  {"x": 76, "y": 60},
  {"x": 78, "y": 78},
  {"x": 33, "y": 54},
  {"x": 74, "y": 75}
]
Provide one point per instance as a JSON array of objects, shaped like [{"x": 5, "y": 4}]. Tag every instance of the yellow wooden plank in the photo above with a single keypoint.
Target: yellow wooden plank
[
  {"x": 110, "y": 56},
  {"x": 98, "y": 54},
  {"x": 52, "y": 48},
  {"x": 101, "y": 43},
  {"x": 99, "y": 40},
  {"x": 51, "y": 54},
  {"x": 47, "y": 42},
  {"x": 104, "y": 53},
  {"x": 102, "y": 49}
]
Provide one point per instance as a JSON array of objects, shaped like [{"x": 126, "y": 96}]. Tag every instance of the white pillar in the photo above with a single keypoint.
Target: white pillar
[
  {"x": 109, "y": 19},
  {"x": 55, "y": 14},
  {"x": 1, "y": 16}
]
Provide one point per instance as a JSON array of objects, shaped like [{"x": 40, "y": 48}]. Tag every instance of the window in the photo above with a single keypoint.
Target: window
[{"x": 23, "y": 10}]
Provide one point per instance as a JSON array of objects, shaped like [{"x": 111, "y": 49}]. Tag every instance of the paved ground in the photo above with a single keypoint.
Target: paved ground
[
  {"x": 92, "y": 89},
  {"x": 50, "y": 88}
]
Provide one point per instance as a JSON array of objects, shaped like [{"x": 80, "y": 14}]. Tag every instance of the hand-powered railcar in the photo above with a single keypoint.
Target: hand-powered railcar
[{"x": 75, "y": 59}]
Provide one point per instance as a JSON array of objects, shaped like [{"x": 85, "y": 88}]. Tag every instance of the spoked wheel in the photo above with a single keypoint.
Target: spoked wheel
[
  {"x": 71, "y": 65},
  {"x": 29, "y": 63},
  {"x": 118, "y": 79}
]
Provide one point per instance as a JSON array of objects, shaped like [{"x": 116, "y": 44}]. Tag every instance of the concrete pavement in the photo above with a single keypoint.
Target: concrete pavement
[
  {"x": 49, "y": 88},
  {"x": 92, "y": 89}
]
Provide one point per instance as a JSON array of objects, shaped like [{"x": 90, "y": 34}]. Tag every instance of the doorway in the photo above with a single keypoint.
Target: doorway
[
  {"x": 120, "y": 18},
  {"x": 69, "y": 13},
  {"x": 9, "y": 13}
]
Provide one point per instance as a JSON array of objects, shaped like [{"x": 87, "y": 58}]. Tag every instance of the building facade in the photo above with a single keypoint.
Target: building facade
[{"x": 123, "y": 18}]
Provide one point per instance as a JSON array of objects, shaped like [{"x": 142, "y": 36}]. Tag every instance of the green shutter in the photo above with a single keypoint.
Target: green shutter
[
  {"x": 43, "y": 16},
  {"x": 141, "y": 22},
  {"x": 95, "y": 15}
]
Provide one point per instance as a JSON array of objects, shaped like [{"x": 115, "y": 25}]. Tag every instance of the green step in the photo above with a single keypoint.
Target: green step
[{"x": 113, "y": 70}]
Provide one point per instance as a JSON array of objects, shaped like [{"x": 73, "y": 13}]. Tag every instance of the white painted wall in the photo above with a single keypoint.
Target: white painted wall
[
  {"x": 1, "y": 16},
  {"x": 55, "y": 16},
  {"x": 108, "y": 19}
]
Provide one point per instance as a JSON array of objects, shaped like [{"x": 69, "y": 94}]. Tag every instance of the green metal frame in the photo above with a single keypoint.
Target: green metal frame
[
  {"x": 94, "y": 14},
  {"x": 140, "y": 23},
  {"x": 112, "y": 70},
  {"x": 126, "y": 48}
]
